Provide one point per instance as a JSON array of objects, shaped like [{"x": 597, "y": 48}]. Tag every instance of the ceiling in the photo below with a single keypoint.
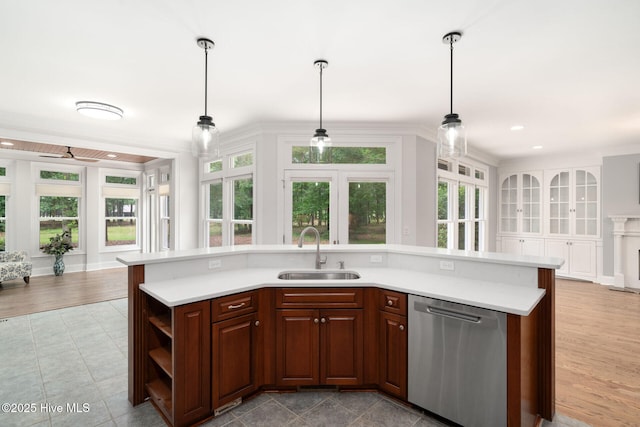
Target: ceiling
[{"x": 565, "y": 70}]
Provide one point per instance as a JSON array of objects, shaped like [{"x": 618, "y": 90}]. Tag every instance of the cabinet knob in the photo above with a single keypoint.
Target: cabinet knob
[
  {"x": 323, "y": 320},
  {"x": 402, "y": 327},
  {"x": 390, "y": 303},
  {"x": 315, "y": 320},
  {"x": 257, "y": 323}
]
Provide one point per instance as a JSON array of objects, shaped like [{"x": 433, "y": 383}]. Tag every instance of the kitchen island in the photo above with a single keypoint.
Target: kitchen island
[{"x": 208, "y": 327}]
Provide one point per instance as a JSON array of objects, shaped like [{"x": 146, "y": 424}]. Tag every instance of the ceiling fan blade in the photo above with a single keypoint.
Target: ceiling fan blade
[
  {"x": 52, "y": 157},
  {"x": 85, "y": 159}
]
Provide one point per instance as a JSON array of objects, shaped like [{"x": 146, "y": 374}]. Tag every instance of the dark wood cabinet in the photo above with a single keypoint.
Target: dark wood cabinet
[
  {"x": 393, "y": 343},
  {"x": 177, "y": 374},
  {"x": 235, "y": 357},
  {"x": 317, "y": 345}
]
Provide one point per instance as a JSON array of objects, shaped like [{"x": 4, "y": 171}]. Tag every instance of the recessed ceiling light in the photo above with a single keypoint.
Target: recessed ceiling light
[
  {"x": 517, "y": 127},
  {"x": 99, "y": 110},
  {"x": 112, "y": 156},
  {"x": 7, "y": 143},
  {"x": 537, "y": 147}
]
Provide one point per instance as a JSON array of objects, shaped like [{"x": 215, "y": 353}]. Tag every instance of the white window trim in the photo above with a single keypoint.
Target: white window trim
[{"x": 120, "y": 191}]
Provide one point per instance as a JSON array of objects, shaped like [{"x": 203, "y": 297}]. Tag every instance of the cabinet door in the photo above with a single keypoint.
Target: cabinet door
[
  {"x": 586, "y": 204},
  {"x": 233, "y": 358},
  {"x": 393, "y": 354},
  {"x": 559, "y": 203},
  {"x": 558, "y": 249},
  {"x": 509, "y": 204},
  {"x": 341, "y": 347},
  {"x": 297, "y": 354},
  {"x": 533, "y": 247},
  {"x": 582, "y": 258},
  {"x": 530, "y": 204},
  {"x": 192, "y": 362},
  {"x": 511, "y": 245}
]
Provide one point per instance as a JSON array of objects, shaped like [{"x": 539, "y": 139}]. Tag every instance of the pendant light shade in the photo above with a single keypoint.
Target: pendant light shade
[
  {"x": 205, "y": 140},
  {"x": 452, "y": 137},
  {"x": 321, "y": 138}
]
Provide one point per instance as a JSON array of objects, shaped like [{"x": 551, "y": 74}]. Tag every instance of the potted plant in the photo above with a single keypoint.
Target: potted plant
[{"x": 58, "y": 245}]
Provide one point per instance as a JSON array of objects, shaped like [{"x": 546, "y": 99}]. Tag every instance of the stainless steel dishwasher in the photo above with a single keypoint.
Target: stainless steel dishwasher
[{"x": 458, "y": 361}]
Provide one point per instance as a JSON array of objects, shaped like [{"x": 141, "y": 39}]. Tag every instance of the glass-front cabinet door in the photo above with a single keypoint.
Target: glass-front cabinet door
[
  {"x": 574, "y": 202},
  {"x": 520, "y": 203}
]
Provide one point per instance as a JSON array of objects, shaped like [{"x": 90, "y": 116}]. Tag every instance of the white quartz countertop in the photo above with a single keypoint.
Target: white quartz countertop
[{"x": 504, "y": 297}]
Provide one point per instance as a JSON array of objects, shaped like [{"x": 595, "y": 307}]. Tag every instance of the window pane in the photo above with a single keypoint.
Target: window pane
[
  {"x": 462, "y": 227},
  {"x": 120, "y": 232},
  {"x": 443, "y": 236},
  {"x": 242, "y": 160},
  {"x": 2, "y": 223},
  {"x": 120, "y": 207},
  {"x": 243, "y": 199},
  {"x": 444, "y": 165},
  {"x": 367, "y": 212},
  {"x": 464, "y": 170},
  {"x": 443, "y": 200},
  {"x": 462, "y": 202},
  {"x": 215, "y": 166},
  {"x": 339, "y": 155},
  {"x": 479, "y": 174},
  {"x": 54, "y": 206},
  {"x": 121, "y": 180},
  {"x": 215, "y": 234},
  {"x": 215, "y": 200},
  {"x": 310, "y": 202},
  {"x": 63, "y": 176},
  {"x": 50, "y": 227},
  {"x": 242, "y": 234},
  {"x": 3, "y": 171}
]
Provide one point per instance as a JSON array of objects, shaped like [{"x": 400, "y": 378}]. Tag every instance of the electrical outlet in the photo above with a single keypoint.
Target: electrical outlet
[
  {"x": 375, "y": 259},
  {"x": 215, "y": 263},
  {"x": 447, "y": 265}
]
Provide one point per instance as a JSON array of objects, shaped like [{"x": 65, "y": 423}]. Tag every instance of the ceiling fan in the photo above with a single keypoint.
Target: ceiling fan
[{"x": 70, "y": 155}]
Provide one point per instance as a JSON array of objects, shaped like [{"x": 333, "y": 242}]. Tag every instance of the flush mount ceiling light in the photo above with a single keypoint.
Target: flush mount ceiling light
[
  {"x": 517, "y": 127},
  {"x": 99, "y": 110},
  {"x": 452, "y": 138},
  {"x": 320, "y": 138},
  {"x": 205, "y": 140}
]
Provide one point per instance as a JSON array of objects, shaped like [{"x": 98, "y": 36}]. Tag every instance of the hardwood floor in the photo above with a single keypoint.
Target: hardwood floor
[
  {"x": 50, "y": 292},
  {"x": 597, "y": 354},
  {"x": 597, "y": 337}
]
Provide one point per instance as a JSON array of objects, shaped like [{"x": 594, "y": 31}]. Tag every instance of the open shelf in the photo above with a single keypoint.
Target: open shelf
[
  {"x": 162, "y": 357},
  {"x": 160, "y": 393},
  {"x": 163, "y": 323}
]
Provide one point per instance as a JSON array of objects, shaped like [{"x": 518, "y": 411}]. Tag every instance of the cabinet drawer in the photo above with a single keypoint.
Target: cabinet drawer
[
  {"x": 319, "y": 298},
  {"x": 392, "y": 302},
  {"x": 233, "y": 305}
]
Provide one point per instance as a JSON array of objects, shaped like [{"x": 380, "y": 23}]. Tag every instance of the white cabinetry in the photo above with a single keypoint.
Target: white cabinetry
[
  {"x": 523, "y": 246},
  {"x": 579, "y": 257},
  {"x": 521, "y": 203}
]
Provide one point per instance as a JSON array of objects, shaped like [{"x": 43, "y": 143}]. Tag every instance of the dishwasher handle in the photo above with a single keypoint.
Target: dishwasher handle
[{"x": 438, "y": 311}]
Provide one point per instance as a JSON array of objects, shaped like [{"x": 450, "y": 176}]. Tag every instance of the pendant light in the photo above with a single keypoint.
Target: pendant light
[
  {"x": 205, "y": 138},
  {"x": 452, "y": 138},
  {"x": 320, "y": 138}
]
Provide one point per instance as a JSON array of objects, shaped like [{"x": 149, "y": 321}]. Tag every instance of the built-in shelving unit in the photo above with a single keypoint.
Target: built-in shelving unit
[{"x": 159, "y": 375}]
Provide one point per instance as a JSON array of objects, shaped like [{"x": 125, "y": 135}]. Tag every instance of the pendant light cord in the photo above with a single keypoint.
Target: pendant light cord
[
  {"x": 206, "y": 62},
  {"x": 451, "y": 75},
  {"x": 321, "y": 68}
]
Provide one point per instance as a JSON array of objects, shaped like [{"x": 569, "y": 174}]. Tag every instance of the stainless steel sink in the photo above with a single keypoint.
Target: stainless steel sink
[{"x": 319, "y": 275}]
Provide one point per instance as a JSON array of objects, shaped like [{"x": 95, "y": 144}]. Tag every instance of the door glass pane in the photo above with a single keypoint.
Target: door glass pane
[
  {"x": 367, "y": 212},
  {"x": 310, "y": 207}
]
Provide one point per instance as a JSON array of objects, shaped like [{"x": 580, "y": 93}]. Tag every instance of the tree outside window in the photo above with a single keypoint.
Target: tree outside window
[{"x": 120, "y": 221}]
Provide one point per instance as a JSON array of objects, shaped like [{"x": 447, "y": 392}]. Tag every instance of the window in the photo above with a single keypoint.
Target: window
[
  {"x": 59, "y": 198},
  {"x": 120, "y": 193},
  {"x": 346, "y": 192},
  {"x": 461, "y": 205},
  {"x": 58, "y": 213},
  {"x": 120, "y": 217},
  {"x": 229, "y": 194},
  {"x": 3, "y": 171}
]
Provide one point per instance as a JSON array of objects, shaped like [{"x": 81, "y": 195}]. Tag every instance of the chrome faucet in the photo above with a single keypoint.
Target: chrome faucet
[{"x": 319, "y": 261}]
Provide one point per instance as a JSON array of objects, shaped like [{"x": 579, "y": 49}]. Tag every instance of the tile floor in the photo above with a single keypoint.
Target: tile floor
[{"x": 68, "y": 367}]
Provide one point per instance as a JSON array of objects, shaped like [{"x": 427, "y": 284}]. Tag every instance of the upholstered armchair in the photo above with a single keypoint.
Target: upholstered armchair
[{"x": 14, "y": 265}]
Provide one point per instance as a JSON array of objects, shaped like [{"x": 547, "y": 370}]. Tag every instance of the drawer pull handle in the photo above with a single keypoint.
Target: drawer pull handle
[
  {"x": 390, "y": 303},
  {"x": 402, "y": 327},
  {"x": 233, "y": 307}
]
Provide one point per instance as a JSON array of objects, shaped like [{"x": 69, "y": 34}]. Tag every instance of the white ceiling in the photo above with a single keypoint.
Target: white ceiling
[{"x": 567, "y": 70}]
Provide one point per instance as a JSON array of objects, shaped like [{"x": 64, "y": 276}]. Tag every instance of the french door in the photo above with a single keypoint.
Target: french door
[{"x": 345, "y": 206}]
